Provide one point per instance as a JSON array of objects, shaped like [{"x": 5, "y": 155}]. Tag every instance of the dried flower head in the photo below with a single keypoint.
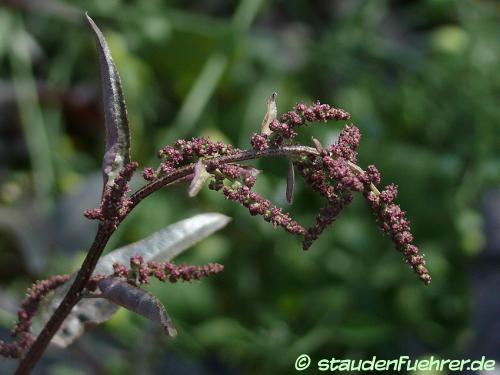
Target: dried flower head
[
  {"x": 141, "y": 272},
  {"x": 29, "y": 306}
]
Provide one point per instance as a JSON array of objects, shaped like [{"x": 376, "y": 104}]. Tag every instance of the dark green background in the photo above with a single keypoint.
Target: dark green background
[{"x": 421, "y": 80}]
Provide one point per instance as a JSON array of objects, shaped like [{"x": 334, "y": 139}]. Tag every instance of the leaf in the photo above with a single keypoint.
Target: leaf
[
  {"x": 290, "y": 182},
  {"x": 167, "y": 243},
  {"x": 85, "y": 314},
  {"x": 318, "y": 145},
  {"x": 163, "y": 245},
  {"x": 200, "y": 177},
  {"x": 117, "y": 151},
  {"x": 137, "y": 300},
  {"x": 271, "y": 114}
]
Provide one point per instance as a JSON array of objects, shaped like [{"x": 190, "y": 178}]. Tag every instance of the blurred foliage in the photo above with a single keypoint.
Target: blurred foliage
[{"x": 420, "y": 79}]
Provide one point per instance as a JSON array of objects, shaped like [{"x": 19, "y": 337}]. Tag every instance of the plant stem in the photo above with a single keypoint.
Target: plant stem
[
  {"x": 182, "y": 172},
  {"x": 103, "y": 234},
  {"x": 70, "y": 299}
]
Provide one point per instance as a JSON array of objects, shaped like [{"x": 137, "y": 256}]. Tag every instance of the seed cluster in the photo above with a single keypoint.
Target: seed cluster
[
  {"x": 393, "y": 222},
  {"x": 334, "y": 175},
  {"x": 115, "y": 204},
  {"x": 330, "y": 176},
  {"x": 187, "y": 151},
  {"x": 141, "y": 272},
  {"x": 286, "y": 128},
  {"x": 238, "y": 189},
  {"x": 29, "y": 306}
]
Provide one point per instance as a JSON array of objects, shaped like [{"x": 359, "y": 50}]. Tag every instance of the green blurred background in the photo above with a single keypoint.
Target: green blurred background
[{"x": 421, "y": 80}]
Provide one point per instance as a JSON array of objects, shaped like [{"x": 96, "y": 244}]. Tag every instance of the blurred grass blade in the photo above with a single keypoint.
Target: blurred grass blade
[
  {"x": 198, "y": 96},
  {"x": 117, "y": 152},
  {"x": 6, "y": 27},
  {"x": 245, "y": 14},
  {"x": 137, "y": 300},
  {"x": 31, "y": 116},
  {"x": 209, "y": 77}
]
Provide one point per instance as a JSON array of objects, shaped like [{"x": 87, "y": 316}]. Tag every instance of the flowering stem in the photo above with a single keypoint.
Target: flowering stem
[
  {"x": 70, "y": 300},
  {"x": 104, "y": 232},
  {"x": 173, "y": 177}
]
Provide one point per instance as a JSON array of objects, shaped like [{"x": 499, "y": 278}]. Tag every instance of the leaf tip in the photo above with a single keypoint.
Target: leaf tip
[
  {"x": 90, "y": 21},
  {"x": 170, "y": 331},
  {"x": 117, "y": 150}
]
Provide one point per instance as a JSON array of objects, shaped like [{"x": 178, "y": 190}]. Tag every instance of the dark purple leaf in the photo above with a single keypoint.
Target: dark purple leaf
[
  {"x": 137, "y": 300},
  {"x": 161, "y": 246},
  {"x": 117, "y": 151},
  {"x": 290, "y": 182}
]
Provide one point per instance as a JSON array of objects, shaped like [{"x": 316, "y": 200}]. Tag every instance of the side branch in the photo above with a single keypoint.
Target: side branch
[{"x": 180, "y": 173}]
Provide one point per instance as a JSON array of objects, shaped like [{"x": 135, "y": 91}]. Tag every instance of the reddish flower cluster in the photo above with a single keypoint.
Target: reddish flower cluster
[
  {"x": 318, "y": 112},
  {"x": 284, "y": 129},
  {"x": 29, "y": 306},
  {"x": 184, "y": 151},
  {"x": 259, "y": 142},
  {"x": 334, "y": 175},
  {"x": 242, "y": 180},
  {"x": 347, "y": 145},
  {"x": 392, "y": 221},
  {"x": 115, "y": 204},
  {"x": 326, "y": 216},
  {"x": 141, "y": 272},
  {"x": 329, "y": 178},
  {"x": 257, "y": 205},
  {"x": 149, "y": 174},
  {"x": 246, "y": 175},
  {"x": 330, "y": 175},
  {"x": 10, "y": 349}
]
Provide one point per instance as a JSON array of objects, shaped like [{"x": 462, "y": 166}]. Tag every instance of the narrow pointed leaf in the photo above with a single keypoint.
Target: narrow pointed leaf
[
  {"x": 290, "y": 182},
  {"x": 117, "y": 151},
  {"x": 161, "y": 246},
  {"x": 318, "y": 145},
  {"x": 167, "y": 243},
  {"x": 137, "y": 300},
  {"x": 200, "y": 177},
  {"x": 271, "y": 114}
]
